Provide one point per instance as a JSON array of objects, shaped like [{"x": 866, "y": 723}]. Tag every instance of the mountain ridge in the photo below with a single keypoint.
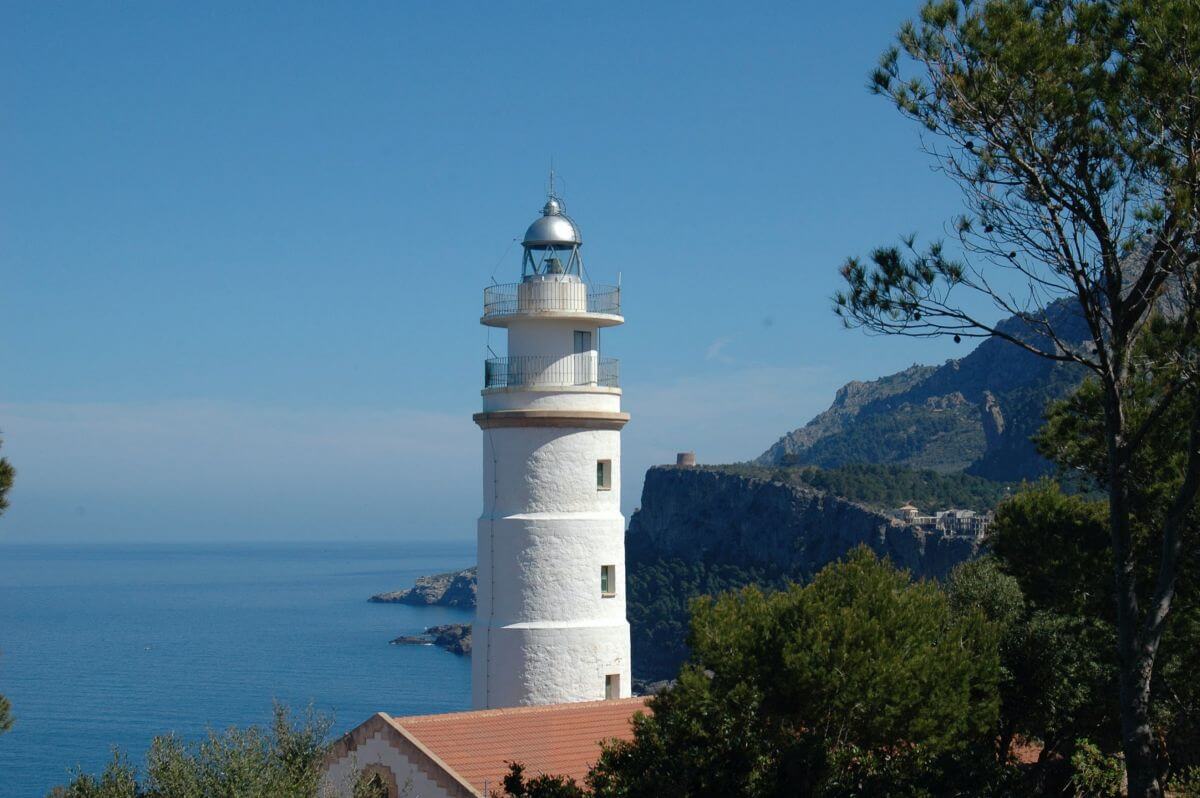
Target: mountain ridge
[{"x": 973, "y": 414}]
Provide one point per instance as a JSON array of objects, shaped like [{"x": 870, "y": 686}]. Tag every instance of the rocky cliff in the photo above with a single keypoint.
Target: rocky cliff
[
  {"x": 452, "y": 589},
  {"x": 708, "y": 515},
  {"x": 702, "y": 531},
  {"x": 974, "y": 413}
]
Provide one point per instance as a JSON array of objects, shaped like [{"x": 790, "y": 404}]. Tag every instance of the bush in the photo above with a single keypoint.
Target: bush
[
  {"x": 1094, "y": 774},
  {"x": 281, "y": 762},
  {"x": 1187, "y": 783}
]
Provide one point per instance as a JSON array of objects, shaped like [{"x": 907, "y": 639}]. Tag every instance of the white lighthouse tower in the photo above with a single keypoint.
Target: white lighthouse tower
[{"x": 550, "y": 620}]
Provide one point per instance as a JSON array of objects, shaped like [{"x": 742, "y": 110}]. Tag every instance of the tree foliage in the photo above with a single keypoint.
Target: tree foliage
[
  {"x": 1054, "y": 669},
  {"x": 7, "y": 475},
  {"x": 117, "y": 780},
  {"x": 862, "y": 671},
  {"x": 516, "y": 785},
  {"x": 1056, "y": 545},
  {"x": 1072, "y": 128},
  {"x": 661, "y": 590},
  {"x": 1074, "y": 438},
  {"x": 283, "y": 761}
]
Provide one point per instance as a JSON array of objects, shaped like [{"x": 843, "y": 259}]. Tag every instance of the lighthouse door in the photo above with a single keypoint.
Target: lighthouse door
[{"x": 585, "y": 358}]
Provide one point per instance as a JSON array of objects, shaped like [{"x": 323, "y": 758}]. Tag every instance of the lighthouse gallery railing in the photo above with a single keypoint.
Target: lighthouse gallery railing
[
  {"x": 543, "y": 371},
  {"x": 508, "y": 299}
]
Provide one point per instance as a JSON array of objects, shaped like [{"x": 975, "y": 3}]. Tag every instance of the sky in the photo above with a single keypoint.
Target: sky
[{"x": 243, "y": 245}]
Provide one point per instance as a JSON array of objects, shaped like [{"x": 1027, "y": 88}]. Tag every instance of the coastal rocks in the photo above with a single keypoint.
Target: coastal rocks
[
  {"x": 452, "y": 589},
  {"x": 454, "y": 637}
]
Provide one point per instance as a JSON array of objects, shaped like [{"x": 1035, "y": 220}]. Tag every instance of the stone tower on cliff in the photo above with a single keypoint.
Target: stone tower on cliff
[{"x": 550, "y": 621}]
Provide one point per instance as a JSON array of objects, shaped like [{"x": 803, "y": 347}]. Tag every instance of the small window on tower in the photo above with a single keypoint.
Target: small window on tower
[
  {"x": 608, "y": 580},
  {"x": 612, "y": 686},
  {"x": 604, "y": 475}
]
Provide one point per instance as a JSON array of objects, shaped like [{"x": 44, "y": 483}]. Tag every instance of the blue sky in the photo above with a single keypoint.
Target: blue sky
[{"x": 242, "y": 245}]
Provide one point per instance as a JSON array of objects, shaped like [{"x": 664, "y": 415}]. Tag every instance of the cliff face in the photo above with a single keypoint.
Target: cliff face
[
  {"x": 974, "y": 413},
  {"x": 710, "y": 516},
  {"x": 703, "y": 531}
]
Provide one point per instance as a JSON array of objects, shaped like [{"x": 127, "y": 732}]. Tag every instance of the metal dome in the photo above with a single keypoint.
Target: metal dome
[{"x": 554, "y": 229}]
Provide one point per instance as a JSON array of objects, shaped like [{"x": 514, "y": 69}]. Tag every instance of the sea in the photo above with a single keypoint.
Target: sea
[{"x": 105, "y": 646}]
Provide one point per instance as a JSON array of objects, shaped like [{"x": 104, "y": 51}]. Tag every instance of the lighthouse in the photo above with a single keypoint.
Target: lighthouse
[{"x": 550, "y": 621}]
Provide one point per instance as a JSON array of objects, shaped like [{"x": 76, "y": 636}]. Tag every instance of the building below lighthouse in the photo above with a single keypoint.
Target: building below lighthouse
[{"x": 550, "y": 620}]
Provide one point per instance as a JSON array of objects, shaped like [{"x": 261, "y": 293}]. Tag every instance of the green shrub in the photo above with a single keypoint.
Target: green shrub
[
  {"x": 1096, "y": 775},
  {"x": 1187, "y": 783},
  {"x": 283, "y": 761}
]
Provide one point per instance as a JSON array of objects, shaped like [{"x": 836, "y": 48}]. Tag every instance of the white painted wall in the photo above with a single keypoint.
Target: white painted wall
[
  {"x": 543, "y": 631},
  {"x": 557, "y": 294},
  {"x": 543, "y": 569},
  {"x": 607, "y": 400},
  {"x": 548, "y": 470},
  {"x": 545, "y": 336},
  {"x": 552, "y": 665}
]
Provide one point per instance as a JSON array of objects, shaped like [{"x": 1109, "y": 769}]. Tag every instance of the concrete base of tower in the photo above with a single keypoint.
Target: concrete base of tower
[{"x": 527, "y": 664}]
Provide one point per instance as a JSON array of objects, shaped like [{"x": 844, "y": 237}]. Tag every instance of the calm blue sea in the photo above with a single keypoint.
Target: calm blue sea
[{"x": 111, "y": 645}]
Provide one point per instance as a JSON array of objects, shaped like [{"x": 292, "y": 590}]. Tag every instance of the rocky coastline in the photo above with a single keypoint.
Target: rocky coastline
[
  {"x": 454, "y": 637},
  {"x": 450, "y": 589}
]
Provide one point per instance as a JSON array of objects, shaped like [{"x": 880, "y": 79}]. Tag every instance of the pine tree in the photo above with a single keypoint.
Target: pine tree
[{"x": 1073, "y": 129}]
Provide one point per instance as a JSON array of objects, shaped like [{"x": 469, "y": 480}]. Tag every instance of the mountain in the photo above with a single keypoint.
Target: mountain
[{"x": 973, "y": 414}]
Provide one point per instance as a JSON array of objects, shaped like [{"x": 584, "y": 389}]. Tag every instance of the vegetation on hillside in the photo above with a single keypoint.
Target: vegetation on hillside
[
  {"x": 886, "y": 487},
  {"x": 975, "y": 414},
  {"x": 919, "y": 435}
]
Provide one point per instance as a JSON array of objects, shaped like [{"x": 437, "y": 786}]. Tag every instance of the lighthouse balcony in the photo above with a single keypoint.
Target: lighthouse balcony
[
  {"x": 554, "y": 296},
  {"x": 550, "y": 371}
]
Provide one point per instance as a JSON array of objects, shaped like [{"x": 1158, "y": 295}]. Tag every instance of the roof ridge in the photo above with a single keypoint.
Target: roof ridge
[{"x": 524, "y": 710}]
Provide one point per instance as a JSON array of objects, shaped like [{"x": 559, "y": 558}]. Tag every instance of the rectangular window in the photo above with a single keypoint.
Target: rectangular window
[
  {"x": 604, "y": 475},
  {"x": 583, "y": 341},
  {"x": 612, "y": 686},
  {"x": 608, "y": 580}
]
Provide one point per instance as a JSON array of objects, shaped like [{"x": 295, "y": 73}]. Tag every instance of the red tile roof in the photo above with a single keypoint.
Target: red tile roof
[{"x": 558, "y": 739}]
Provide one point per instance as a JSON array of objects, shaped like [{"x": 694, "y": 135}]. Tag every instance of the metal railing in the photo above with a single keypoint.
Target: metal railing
[
  {"x": 508, "y": 299},
  {"x": 548, "y": 371}
]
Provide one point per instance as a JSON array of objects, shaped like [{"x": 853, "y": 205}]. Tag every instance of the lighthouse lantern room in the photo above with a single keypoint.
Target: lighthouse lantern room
[{"x": 550, "y": 621}]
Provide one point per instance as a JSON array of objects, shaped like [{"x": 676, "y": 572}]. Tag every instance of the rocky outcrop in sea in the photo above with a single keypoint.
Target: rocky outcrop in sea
[
  {"x": 451, "y": 589},
  {"x": 454, "y": 637}
]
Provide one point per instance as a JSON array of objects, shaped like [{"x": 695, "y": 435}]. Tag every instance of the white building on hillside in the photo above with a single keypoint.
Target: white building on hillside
[{"x": 550, "y": 619}]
